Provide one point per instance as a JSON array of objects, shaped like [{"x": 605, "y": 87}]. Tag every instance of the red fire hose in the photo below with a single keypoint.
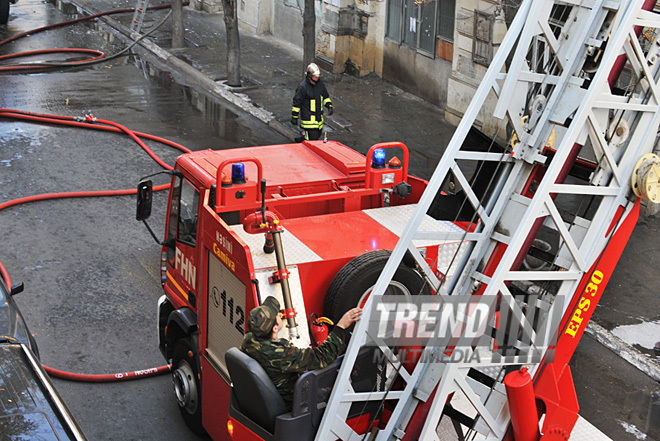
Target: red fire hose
[
  {"x": 90, "y": 122},
  {"x": 98, "y": 55},
  {"x": 95, "y": 55},
  {"x": 104, "y": 378}
]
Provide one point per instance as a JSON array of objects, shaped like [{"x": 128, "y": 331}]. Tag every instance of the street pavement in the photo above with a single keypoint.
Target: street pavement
[{"x": 369, "y": 110}]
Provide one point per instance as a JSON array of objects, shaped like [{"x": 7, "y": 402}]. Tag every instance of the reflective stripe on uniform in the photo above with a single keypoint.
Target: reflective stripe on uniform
[
  {"x": 311, "y": 124},
  {"x": 312, "y": 105}
]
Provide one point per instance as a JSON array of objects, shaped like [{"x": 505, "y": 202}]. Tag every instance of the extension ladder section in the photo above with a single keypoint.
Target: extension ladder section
[
  {"x": 562, "y": 189},
  {"x": 138, "y": 16}
]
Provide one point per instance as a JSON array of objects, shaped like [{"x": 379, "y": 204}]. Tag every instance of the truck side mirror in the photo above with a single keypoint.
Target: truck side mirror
[
  {"x": 144, "y": 200},
  {"x": 17, "y": 288}
]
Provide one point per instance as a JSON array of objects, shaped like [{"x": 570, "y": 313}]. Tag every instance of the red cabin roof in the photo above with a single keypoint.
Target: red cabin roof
[{"x": 284, "y": 164}]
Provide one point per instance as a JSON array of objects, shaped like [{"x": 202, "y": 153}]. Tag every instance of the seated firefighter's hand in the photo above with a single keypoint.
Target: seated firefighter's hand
[{"x": 351, "y": 316}]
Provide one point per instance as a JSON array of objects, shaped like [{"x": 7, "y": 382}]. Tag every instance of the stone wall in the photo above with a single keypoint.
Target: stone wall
[{"x": 212, "y": 6}]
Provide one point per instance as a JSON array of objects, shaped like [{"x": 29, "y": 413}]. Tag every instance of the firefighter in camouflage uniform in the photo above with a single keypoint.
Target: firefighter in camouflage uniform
[
  {"x": 282, "y": 361},
  {"x": 308, "y": 102}
]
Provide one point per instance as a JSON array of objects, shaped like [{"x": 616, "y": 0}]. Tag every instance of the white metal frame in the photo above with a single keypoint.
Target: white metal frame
[{"x": 559, "y": 93}]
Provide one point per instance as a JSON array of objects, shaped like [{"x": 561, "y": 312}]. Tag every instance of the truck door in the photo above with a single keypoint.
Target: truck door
[{"x": 182, "y": 225}]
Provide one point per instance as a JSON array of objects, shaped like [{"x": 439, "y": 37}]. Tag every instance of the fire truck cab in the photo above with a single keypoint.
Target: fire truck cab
[{"x": 337, "y": 212}]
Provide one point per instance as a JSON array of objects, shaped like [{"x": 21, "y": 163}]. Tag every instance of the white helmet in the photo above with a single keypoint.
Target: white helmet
[{"x": 313, "y": 71}]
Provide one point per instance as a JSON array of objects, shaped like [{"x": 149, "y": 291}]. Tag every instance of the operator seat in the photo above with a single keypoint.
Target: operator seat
[
  {"x": 256, "y": 394},
  {"x": 256, "y": 404}
]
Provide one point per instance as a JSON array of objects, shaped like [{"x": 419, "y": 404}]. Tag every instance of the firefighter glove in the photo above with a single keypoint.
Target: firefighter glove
[
  {"x": 294, "y": 121},
  {"x": 330, "y": 110}
]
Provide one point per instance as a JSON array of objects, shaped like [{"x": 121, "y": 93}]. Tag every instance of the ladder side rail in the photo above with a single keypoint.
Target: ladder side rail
[
  {"x": 335, "y": 409},
  {"x": 427, "y": 272},
  {"x": 136, "y": 13},
  {"x": 488, "y": 213}
]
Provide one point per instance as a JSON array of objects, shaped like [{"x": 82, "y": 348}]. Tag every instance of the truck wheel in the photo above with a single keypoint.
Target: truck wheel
[
  {"x": 187, "y": 387},
  {"x": 353, "y": 283},
  {"x": 4, "y": 11}
]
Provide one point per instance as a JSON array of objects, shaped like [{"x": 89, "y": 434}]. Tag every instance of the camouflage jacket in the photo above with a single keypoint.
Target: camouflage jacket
[{"x": 284, "y": 363}]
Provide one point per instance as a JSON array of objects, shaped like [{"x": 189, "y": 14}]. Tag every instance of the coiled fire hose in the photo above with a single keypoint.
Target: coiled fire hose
[{"x": 90, "y": 122}]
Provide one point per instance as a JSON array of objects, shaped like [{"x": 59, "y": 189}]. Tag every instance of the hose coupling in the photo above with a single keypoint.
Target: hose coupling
[{"x": 88, "y": 118}]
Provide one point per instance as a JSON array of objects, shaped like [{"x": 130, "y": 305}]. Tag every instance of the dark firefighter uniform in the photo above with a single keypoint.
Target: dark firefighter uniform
[
  {"x": 282, "y": 361},
  {"x": 310, "y": 97}
]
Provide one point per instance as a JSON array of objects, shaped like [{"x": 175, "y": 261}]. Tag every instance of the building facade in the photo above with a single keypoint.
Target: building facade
[{"x": 436, "y": 49}]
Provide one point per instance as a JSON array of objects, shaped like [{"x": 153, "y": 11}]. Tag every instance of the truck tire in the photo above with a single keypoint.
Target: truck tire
[
  {"x": 4, "y": 11},
  {"x": 354, "y": 282},
  {"x": 187, "y": 387}
]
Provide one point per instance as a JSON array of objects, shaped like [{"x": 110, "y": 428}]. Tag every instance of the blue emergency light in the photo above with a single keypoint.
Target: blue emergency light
[
  {"x": 238, "y": 173},
  {"x": 378, "y": 159}
]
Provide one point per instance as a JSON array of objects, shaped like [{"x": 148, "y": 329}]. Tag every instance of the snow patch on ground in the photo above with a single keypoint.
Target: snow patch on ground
[
  {"x": 645, "y": 334},
  {"x": 632, "y": 429}
]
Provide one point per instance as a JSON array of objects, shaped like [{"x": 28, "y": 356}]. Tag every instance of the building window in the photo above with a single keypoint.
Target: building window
[
  {"x": 446, "y": 18},
  {"x": 482, "y": 48},
  {"x": 394, "y": 28},
  {"x": 413, "y": 23}
]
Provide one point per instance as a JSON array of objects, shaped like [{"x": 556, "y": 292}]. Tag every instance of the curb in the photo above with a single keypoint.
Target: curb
[
  {"x": 195, "y": 76},
  {"x": 624, "y": 350}
]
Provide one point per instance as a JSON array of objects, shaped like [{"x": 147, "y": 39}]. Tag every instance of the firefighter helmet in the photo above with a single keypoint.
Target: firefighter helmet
[{"x": 313, "y": 71}]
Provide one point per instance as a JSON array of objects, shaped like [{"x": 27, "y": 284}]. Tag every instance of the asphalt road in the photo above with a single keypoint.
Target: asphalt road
[{"x": 91, "y": 271}]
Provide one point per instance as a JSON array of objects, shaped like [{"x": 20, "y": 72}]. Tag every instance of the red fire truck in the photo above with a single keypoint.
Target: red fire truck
[
  {"x": 312, "y": 223},
  {"x": 328, "y": 215}
]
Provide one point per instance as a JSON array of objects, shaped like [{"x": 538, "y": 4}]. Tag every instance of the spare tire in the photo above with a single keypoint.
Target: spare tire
[{"x": 354, "y": 282}]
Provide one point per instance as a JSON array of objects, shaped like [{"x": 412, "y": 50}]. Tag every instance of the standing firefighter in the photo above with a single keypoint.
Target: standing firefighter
[{"x": 308, "y": 101}]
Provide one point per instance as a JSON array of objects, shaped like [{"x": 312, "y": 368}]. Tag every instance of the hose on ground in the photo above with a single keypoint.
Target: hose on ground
[
  {"x": 98, "y": 56},
  {"x": 90, "y": 122},
  {"x": 105, "y": 378}
]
